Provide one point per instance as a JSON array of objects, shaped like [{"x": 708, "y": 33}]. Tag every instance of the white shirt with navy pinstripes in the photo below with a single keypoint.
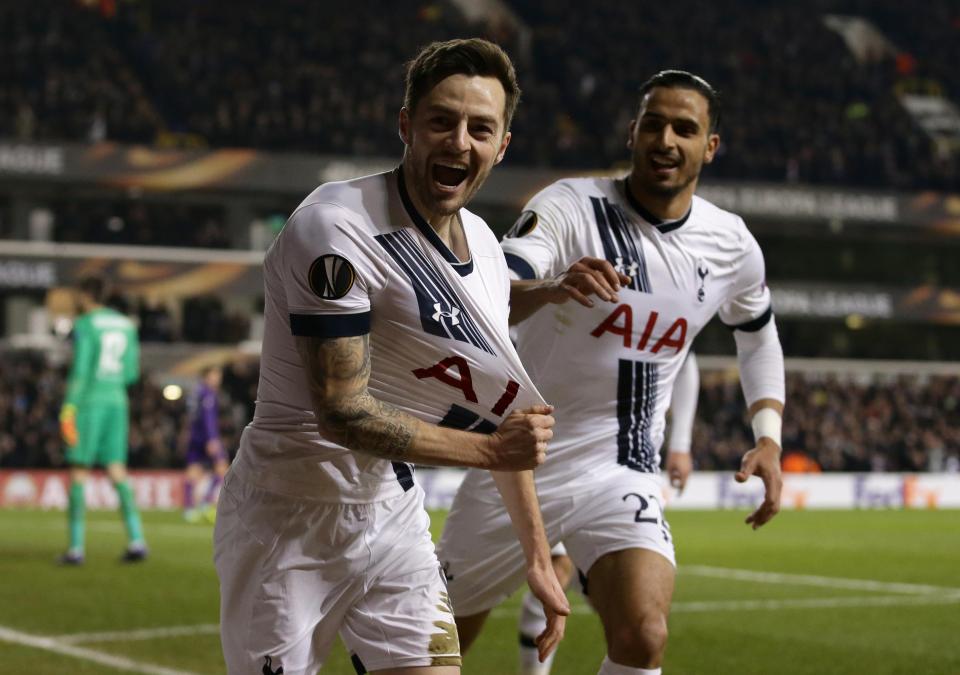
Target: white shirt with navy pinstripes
[
  {"x": 610, "y": 369},
  {"x": 356, "y": 258}
]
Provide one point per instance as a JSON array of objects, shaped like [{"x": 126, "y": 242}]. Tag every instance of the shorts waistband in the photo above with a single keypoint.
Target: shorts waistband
[{"x": 328, "y": 493}]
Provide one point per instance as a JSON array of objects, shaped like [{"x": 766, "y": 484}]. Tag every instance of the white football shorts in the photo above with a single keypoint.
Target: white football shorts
[
  {"x": 294, "y": 573},
  {"x": 483, "y": 559}
]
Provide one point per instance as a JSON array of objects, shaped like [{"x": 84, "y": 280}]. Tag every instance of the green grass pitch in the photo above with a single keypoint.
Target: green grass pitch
[{"x": 844, "y": 592}]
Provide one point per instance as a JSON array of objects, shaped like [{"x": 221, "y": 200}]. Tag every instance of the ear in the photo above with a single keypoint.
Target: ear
[
  {"x": 503, "y": 147},
  {"x": 404, "y": 126},
  {"x": 713, "y": 142},
  {"x": 632, "y": 128}
]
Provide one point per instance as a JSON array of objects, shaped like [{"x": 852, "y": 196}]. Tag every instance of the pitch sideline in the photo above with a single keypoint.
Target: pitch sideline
[
  {"x": 82, "y": 653},
  {"x": 819, "y": 581}
]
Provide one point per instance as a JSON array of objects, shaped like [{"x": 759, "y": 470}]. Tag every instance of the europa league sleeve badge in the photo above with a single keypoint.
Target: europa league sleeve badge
[
  {"x": 524, "y": 225},
  {"x": 331, "y": 276}
]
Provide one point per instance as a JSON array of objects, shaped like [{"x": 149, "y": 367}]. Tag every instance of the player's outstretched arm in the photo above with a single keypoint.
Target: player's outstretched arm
[
  {"x": 585, "y": 278},
  {"x": 760, "y": 359},
  {"x": 338, "y": 371},
  {"x": 520, "y": 497}
]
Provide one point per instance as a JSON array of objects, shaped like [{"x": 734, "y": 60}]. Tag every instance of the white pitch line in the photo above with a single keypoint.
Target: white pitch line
[
  {"x": 579, "y": 609},
  {"x": 140, "y": 634},
  {"x": 819, "y": 581},
  {"x": 790, "y": 603},
  {"x": 118, "y": 662},
  {"x": 813, "y": 603}
]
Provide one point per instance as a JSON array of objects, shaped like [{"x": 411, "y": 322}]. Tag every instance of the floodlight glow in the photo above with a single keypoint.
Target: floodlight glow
[{"x": 172, "y": 392}]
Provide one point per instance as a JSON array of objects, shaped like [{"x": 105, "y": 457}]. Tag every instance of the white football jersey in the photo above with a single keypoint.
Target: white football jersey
[
  {"x": 609, "y": 370},
  {"x": 356, "y": 258}
]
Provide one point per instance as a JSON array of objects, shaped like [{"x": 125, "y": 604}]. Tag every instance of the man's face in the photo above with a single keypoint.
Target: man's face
[
  {"x": 214, "y": 378},
  {"x": 671, "y": 140},
  {"x": 454, "y": 138}
]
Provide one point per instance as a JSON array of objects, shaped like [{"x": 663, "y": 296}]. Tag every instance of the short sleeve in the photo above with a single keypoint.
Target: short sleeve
[
  {"x": 749, "y": 308},
  {"x": 536, "y": 246},
  {"x": 327, "y": 272}
]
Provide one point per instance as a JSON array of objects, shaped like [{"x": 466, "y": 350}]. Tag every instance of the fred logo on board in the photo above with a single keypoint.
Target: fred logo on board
[{"x": 331, "y": 276}]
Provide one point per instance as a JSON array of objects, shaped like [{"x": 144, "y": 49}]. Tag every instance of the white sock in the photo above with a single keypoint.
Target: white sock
[
  {"x": 608, "y": 667},
  {"x": 532, "y": 622}
]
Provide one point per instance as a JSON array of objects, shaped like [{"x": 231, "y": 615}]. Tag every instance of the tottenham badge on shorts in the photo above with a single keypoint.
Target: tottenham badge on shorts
[
  {"x": 331, "y": 276},
  {"x": 525, "y": 224}
]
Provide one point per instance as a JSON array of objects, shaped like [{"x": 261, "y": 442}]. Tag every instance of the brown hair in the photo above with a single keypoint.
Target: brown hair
[
  {"x": 94, "y": 286},
  {"x": 474, "y": 57}
]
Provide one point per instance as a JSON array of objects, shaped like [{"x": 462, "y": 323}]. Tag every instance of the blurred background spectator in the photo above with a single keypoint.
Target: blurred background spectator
[
  {"x": 33, "y": 392},
  {"x": 843, "y": 423}
]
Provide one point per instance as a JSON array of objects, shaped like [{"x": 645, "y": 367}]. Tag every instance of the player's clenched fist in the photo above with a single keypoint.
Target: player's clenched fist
[{"x": 520, "y": 442}]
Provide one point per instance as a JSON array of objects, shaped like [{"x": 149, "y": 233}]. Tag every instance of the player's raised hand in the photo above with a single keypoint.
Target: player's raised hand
[
  {"x": 520, "y": 442},
  {"x": 546, "y": 588},
  {"x": 590, "y": 276},
  {"x": 763, "y": 461}
]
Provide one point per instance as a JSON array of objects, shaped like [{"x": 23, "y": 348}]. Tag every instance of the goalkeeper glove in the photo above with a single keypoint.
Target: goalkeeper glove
[{"x": 68, "y": 424}]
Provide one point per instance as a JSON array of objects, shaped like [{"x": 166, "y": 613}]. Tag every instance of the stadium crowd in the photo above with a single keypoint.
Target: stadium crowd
[
  {"x": 906, "y": 423},
  {"x": 197, "y": 319},
  {"x": 799, "y": 107},
  {"x": 862, "y": 423},
  {"x": 131, "y": 221},
  {"x": 33, "y": 392}
]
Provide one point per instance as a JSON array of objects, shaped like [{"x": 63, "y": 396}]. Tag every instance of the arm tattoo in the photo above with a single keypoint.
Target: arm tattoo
[{"x": 337, "y": 372}]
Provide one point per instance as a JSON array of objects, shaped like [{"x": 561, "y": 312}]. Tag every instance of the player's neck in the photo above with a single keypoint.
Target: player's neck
[
  {"x": 447, "y": 226},
  {"x": 664, "y": 206},
  {"x": 442, "y": 224}
]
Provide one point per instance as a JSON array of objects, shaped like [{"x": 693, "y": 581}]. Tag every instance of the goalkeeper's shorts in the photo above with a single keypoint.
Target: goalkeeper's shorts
[{"x": 102, "y": 436}]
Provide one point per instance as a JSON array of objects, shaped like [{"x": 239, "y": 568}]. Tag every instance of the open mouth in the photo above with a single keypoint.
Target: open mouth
[
  {"x": 664, "y": 163},
  {"x": 449, "y": 175}
]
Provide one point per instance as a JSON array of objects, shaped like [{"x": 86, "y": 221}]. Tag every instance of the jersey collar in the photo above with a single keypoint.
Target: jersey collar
[
  {"x": 462, "y": 268},
  {"x": 664, "y": 226}
]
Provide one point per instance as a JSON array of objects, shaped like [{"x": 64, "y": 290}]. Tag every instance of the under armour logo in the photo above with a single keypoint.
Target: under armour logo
[
  {"x": 630, "y": 269},
  {"x": 267, "y": 670},
  {"x": 702, "y": 272},
  {"x": 452, "y": 314}
]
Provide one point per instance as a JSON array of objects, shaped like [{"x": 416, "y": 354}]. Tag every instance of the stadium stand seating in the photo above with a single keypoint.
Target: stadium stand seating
[
  {"x": 854, "y": 423},
  {"x": 798, "y": 106}
]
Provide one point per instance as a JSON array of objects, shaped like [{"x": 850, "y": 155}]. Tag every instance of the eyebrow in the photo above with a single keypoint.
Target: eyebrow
[
  {"x": 441, "y": 108},
  {"x": 658, "y": 116}
]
